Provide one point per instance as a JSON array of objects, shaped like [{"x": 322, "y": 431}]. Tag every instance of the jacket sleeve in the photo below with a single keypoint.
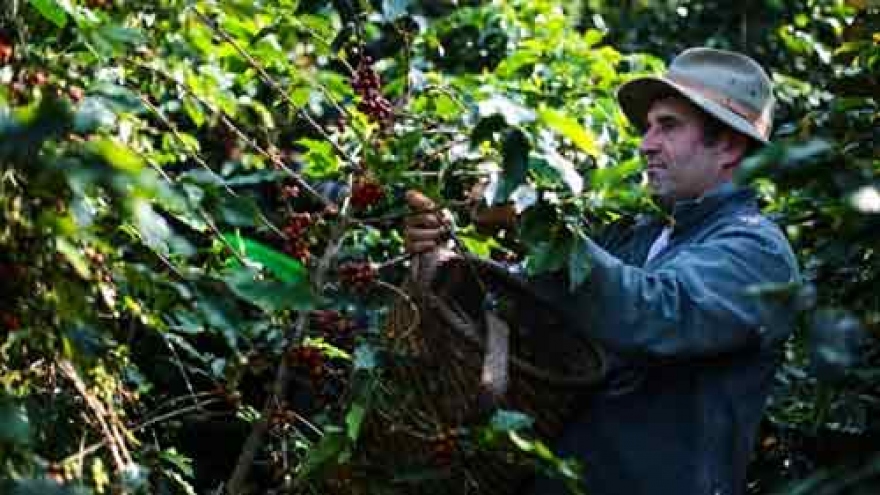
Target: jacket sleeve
[{"x": 696, "y": 304}]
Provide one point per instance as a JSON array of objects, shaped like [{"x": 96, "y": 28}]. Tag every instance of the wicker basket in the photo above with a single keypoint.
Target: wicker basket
[{"x": 439, "y": 390}]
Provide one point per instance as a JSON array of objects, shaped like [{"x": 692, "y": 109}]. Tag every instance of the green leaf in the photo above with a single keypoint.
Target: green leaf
[
  {"x": 486, "y": 128},
  {"x": 578, "y": 263},
  {"x": 614, "y": 176},
  {"x": 15, "y": 428},
  {"x": 394, "y": 9},
  {"x": 515, "y": 151},
  {"x": 116, "y": 155},
  {"x": 93, "y": 114},
  {"x": 327, "y": 349},
  {"x": 504, "y": 420},
  {"x": 570, "y": 128},
  {"x": 320, "y": 158},
  {"x": 119, "y": 98},
  {"x": 474, "y": 242},
  {"x": 512, "y": 112},
  {"x": 194, "y": 111},
  {"x": 545, "y": 256},
  {"x": 353, "y": 421},
  {"x": 364, "y": 357},
  {"x": 269, "y": 295},
  {"x": 283, "y": 267},
  {"x": 240, "y": 211},
  {"x": 328, "y": 449},
  {"x": 153, "y": 228},
  {"x": 51, "y": 10},
  {"x": 565, "y": 169}
]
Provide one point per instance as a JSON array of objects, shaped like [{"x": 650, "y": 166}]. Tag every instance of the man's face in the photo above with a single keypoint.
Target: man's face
[{"x": 679, "y": 164}]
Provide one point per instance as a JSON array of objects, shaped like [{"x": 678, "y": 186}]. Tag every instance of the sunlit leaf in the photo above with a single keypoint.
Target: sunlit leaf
[
  {"x": 365, "y": 357},
  {"x": 353, "y": 421},
  {"x": 570, "y": 128},
  {"x": 394, "y": 9},
  {"x": 513, "y": 113},
  {"x": 505, "y": 420},
  {"x": 283, "y": 267},
  {"x": 269, "y": 295},
  {"x": 116, "y": 155},
  {"x": 52, "y": 10},
  {"x": 15, "y": 428},
  {"x": 320, "y": 158}
]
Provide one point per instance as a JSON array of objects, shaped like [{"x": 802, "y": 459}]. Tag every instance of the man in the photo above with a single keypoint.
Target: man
[{"x": 693, "y": 351}]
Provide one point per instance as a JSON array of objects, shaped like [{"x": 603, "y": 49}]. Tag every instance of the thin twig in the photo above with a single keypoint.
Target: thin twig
[
  {"x": 282, "y": 375},
  {"x": 193, "y": 153},
  {"x": 300, "y": 181},
  {"x": 87, "y": 451},
  {"x": 392, "y": 217},
  {"x": 268, "y": 79},
  {"x": 183, "y": 373},
  {"x": 118, "y": 450}
]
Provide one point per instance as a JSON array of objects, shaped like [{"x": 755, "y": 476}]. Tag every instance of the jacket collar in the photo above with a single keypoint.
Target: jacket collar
[{"x": 727, "y": 196}]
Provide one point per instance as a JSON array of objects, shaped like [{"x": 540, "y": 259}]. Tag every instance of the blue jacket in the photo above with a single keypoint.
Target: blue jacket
[{"x": 693, "y": 353}]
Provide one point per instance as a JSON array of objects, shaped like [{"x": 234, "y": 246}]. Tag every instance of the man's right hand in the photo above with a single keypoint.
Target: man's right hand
[
  {"x": 426, "y": 232},
  {"x": 427, "y": 227}
]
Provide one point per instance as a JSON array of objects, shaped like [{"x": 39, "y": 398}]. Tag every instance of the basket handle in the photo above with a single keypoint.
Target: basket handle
[
  {"x": 496, "y": 361},
  {"x": 462, "y": 324}
]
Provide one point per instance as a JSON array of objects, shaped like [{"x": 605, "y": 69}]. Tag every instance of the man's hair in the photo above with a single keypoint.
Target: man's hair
[{"x": 713, "y": 128}]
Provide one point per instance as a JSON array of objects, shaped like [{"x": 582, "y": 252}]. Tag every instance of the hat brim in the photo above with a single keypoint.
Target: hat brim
[{"x": 636, "y": 97}]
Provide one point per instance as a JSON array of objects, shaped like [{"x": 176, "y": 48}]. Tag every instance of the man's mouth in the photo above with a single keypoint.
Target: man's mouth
[{"x": 653, "y": 170}]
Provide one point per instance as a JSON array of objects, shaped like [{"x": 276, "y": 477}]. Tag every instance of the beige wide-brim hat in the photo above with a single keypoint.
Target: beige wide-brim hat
[{"x": 729, "y": 86}]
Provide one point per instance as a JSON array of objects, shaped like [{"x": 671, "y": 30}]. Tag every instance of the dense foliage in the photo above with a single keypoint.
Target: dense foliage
[{"x": 200, "y": 214}]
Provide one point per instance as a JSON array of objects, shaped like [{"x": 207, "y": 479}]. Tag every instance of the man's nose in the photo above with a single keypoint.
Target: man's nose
[{"x": 649, "y": 144}]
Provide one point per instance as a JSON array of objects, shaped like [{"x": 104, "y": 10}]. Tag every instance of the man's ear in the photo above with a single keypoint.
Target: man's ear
[{"x": 732, "y": 148}]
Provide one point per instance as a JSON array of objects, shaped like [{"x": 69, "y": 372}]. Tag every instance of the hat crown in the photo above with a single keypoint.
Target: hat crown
[
  {"x": 730, "y": 75},
  {"x": 727, "y": 85}
]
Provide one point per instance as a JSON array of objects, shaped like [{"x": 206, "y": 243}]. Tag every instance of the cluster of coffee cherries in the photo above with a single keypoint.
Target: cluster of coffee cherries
[
  {"x": 7, "y": 49},
  {"x": 26, "y": 80},
  {"x": 330, "y": 322},
  {"x": 310, "y": 358},
  {"x": 9, "y": 322},
  {"x": 356, "y": 275},
  {"x": 368, "y": 86},
  {"x": 281, "y": 417},
  {"x": 296, "y": 244},
  {"x": 99, "y": 263},
  {"x": 99, "y": 4},
  {"x": 289, "y": 192},
  {"x": 365, "y": 193},
  {"x": 298, "y": 223},
  {"x": 443, "y": 447}
]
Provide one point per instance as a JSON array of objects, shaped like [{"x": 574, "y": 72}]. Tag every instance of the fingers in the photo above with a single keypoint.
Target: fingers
[
  {"x": 419, "y": 202},
  {"x": 427, "y": 228},
  {"x": 420, "y": 240}
]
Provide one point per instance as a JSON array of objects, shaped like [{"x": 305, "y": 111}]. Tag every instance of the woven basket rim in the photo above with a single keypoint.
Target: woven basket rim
[{"x": 520, "y": 285}]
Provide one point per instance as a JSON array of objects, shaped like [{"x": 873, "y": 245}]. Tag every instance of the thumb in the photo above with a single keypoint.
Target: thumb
[{"x": 418, "y": 201}]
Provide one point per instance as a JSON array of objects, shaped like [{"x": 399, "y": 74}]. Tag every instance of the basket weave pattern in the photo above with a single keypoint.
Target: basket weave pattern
[{"x": 437, "y": 395}]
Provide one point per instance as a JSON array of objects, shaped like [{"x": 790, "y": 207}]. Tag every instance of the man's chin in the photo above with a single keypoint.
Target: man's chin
[{"x": 663, "y": 199}]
